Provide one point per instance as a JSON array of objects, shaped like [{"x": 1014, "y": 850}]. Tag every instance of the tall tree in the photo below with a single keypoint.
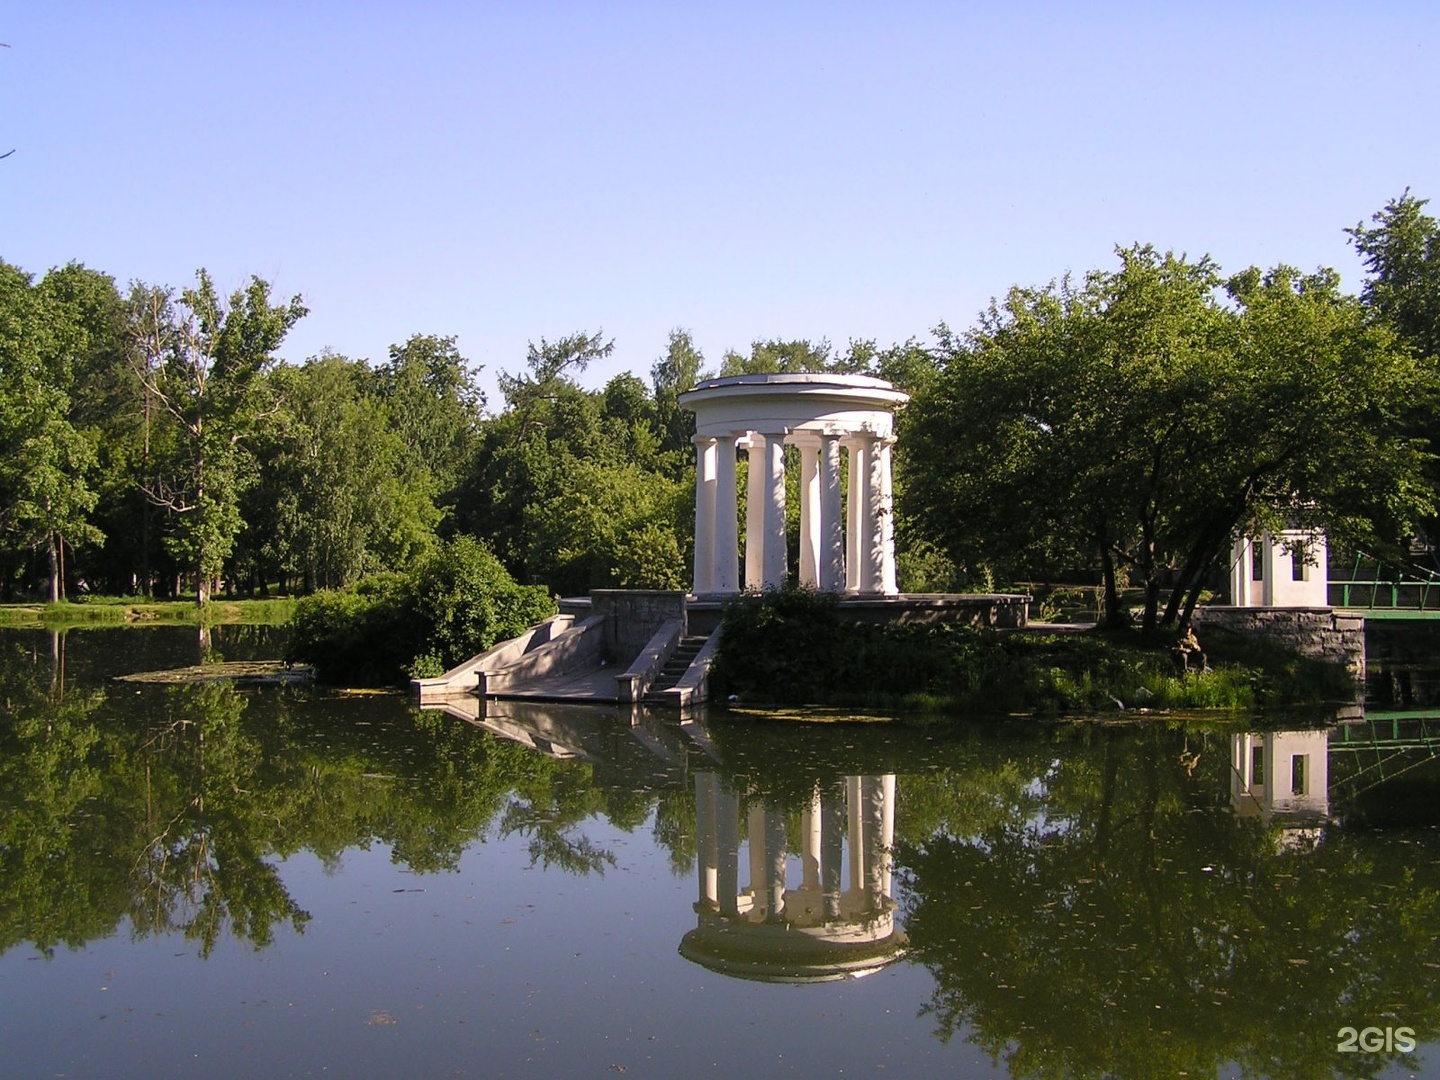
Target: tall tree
[
  {"x": 1402, "y": 255},
  {"x": 204, "y": 361},
  {"x": 671, "y": 375},
  {"x": 44, "y": 460},
  {"x": 776, "y": 357},
  {"x": 96, "y": 374},
  {"x": 1401, "y": 251},
  {"x": 435, "y": 405},
  {"x": 340, "y": 494},
  {"x": 1137, "y": 423},
  {"x": 527, "y": 452}
]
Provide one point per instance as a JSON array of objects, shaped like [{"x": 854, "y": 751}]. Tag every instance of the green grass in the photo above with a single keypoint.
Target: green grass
[{"x": 126, "y": 611}]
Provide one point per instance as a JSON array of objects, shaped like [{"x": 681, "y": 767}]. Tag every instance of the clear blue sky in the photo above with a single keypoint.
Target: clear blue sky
[{"x": 503, "y": 172}]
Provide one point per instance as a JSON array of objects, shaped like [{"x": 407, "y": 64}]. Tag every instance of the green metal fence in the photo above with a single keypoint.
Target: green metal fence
[{"x": 1388, "y": 586}]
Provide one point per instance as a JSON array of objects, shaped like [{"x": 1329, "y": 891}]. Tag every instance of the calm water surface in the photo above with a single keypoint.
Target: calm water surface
[{"x": 213, "y": 881}]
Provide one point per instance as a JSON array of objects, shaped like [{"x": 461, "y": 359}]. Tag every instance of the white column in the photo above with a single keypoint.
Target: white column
[
  {"x": 832, "y": 529},
  {"x": 707, "y": 848},
  {"x": 854, "y": 515},
  {"x": 1241, "y": 573},
  {"x": 888, "y": 582},
  {"x": 776, "y": 565},
  {"x": 855, "y": 833},
  {"x": 872, "y": 839},
  {"x": 724, "y": 577},
  {"x": 727, "y": 844},
  {"x": 755, "y": 848},
  {"x": 871, "y": 570},
  {"x": 705, "y": 458},
  {"x": 755, "y": 516},
  {"x": 810, "y": 515},
  {"x": 832, "y": 846},
  {"x": 887, "y": 832},
  {"x": 810, "y": 836},
  {"x": 776, "y": 849},
  {"x": 1267, "y": 569}
]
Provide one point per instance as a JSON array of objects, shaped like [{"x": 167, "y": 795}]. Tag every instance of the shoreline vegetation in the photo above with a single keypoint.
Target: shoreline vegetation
[
  {"x": 792, "y": 648},
  {"x": 789, "y": 648},
  {"x": 110, "y": 611}
]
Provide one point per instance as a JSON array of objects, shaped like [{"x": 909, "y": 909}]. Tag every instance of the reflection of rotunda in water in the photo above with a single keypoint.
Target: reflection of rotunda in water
[{"x": 832, "y": 917}]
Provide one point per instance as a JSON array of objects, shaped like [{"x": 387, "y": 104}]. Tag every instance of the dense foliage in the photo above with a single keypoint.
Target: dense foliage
[
  {"x": 457, "y": 601},
  {"x": 1120, "y": 428},
  {"x": 1136, "y": 422},
  {"x": 791, "y": 646}
]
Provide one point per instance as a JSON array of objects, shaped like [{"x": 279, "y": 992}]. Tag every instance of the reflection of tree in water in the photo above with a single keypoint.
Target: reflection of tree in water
[
  {"x": 1101, "y": 912},
  {"x": 201, "y": 865},
  {"x": 49, "y": 836},
  {"x": 172, "y": 807}
]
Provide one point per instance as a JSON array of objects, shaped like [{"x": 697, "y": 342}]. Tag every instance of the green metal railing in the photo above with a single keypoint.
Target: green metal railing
[{"x": 1405, "y": 586}]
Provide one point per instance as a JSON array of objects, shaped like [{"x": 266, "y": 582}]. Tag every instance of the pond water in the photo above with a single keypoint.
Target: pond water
[{"x": 214, "y": 881}]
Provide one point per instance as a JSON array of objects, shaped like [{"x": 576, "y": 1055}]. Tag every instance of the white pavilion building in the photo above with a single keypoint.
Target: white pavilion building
[{"x": 847, "y": 545}]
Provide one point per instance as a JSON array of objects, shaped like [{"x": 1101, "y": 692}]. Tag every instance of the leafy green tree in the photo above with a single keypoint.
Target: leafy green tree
[
  {"x": 776, "y": 357},
  {"x": 435, "y": 406},
  {"x": 45, "y": 462},
  {"x": 671, "y": 375},
  {"x": 339, "y": 494},
  {"x": 1401, "y": 251},
  {"x": 908, "y": 365},
  {"x": 552, "y": 367},
  {"x": 611, "y": 525},
  {"x": 204, "y": 361},
  {"x": 1136, "y": 423},
  {"x": 527, "y": 453},
  {"x": 97, "y": 377}
]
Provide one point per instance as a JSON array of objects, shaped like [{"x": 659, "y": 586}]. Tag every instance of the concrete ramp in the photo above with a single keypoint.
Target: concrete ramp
[{"x": 627, "y": 650}]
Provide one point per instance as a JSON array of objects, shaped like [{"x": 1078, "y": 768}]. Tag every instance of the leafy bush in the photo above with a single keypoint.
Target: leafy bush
[
  {"x": 790, "y": 646},
  {"x": 466, "y": 601},
  {"x": 364, "y": 635},
  {"x": 457, "y": 601}
]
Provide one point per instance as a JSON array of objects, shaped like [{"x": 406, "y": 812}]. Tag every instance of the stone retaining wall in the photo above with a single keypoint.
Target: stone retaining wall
[
  {"x": 1321, "y": 633},
  {"x": 633, "y": 616}
]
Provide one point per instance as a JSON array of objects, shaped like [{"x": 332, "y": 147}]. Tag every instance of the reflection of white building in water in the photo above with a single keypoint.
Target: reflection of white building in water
[
  {"x": 1282, "y": 777},
  {"x": 831, "y": 917}
]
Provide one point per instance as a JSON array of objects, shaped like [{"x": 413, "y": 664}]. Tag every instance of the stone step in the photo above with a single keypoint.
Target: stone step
[{"x": 679, "y": 663}]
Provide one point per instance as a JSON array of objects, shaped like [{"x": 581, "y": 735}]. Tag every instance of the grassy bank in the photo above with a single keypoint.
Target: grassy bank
[
  {"x": 792, "y": 648},
  {"x": 126, "y": 611}
]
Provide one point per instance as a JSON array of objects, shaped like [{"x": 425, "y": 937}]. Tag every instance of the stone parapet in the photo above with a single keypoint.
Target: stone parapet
[{"x": 1320, "y": 633}]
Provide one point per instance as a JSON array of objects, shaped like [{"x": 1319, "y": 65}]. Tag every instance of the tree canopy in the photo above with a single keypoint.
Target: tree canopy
[
  {"x": 1123, "y": 426},
  {"x": 1140, "y": 419}
]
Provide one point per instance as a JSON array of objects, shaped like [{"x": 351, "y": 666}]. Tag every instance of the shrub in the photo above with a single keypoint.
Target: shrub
[
  {"x": 365, "y": 635},
  {"x": 457, "y": 601},
  {"x": 791, "y": 647},
  {"x": 466, "y": 601}
]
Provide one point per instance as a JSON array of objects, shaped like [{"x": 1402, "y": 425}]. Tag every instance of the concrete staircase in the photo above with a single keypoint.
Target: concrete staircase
[{"x": 675, "y": 667}]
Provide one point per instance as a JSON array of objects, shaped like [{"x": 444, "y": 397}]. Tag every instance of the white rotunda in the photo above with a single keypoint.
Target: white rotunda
[{"x": 847, "y": 543}]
